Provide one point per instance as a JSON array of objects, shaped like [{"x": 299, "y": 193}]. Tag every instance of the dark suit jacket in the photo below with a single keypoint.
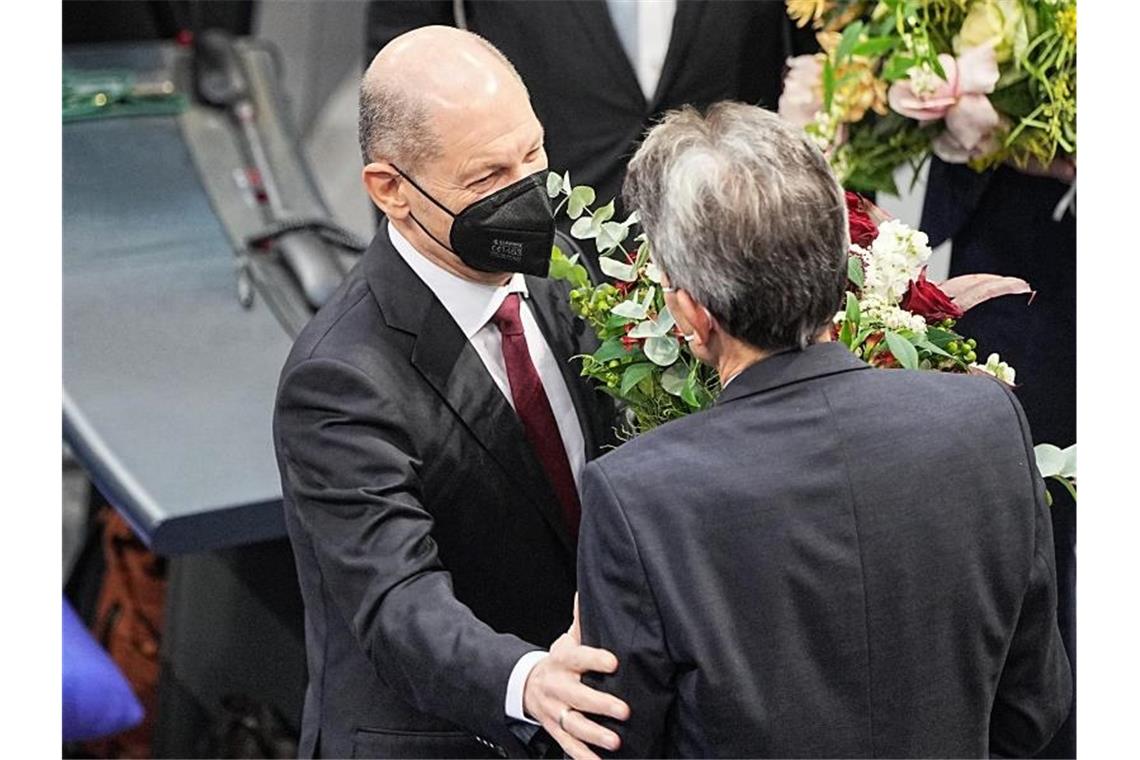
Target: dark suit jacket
[
  {"x": 582, "y": 84},
  {"x": 428, "y": 541},
  {"x": 833, "y": 561}
]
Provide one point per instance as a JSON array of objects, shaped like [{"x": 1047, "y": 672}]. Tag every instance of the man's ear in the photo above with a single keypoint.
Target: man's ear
[
  {"x": 693, "y": 319},
  {"x": 382, "y": 183}
]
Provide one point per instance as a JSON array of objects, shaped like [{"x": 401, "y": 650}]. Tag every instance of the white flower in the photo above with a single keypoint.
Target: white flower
[
  {"x": 999, "y": 369},
  {"x": 875, "y": 311},
  {"x": 897, "y": 255}
]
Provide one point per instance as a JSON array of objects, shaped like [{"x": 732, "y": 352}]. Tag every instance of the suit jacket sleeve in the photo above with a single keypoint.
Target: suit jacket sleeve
[
  {"x": 1036, "y": 688},
  {"x": 350, "y": 469},
  {"x": 619, "y": 613}
]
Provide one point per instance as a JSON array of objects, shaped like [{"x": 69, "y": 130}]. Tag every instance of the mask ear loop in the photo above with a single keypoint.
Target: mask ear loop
[{"x": 427, "y": 195}]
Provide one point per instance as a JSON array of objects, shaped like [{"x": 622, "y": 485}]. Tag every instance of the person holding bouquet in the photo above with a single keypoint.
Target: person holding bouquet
[{"x": 826, "y": 562}]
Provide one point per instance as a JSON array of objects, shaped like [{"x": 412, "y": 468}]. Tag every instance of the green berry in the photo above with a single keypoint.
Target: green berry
[
  {"x": 952, "y": 346},
  {"x": 971, "y": 357},
  {"x": 972, "y": 343}
]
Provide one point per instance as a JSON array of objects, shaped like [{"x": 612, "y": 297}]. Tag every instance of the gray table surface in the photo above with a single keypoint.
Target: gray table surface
[{"x": 168, "y": 381}]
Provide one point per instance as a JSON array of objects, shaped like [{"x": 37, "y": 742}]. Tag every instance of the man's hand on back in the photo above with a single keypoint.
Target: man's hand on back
[{"x": 554, "y": 694}]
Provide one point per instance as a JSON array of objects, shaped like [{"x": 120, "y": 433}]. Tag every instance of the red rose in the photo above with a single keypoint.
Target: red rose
[
  {"x": 862, "y": 226},
  {"x": 927, "y": 300}
]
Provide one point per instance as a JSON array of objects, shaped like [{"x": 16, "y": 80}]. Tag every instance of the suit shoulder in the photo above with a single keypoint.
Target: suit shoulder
[{"x": 342, "y": 329}]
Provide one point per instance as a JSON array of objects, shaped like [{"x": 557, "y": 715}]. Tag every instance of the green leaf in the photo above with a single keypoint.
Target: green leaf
[
  {"x": 609, "y": 350},
  {"x": 897, "y": 67},
  {"x": 580, "y": 197},
  {"x": 662, "y": 351},
  {"x": 902, "y": 349},
  {"x": 689, "y": 393},
  {"x": 853, "y": 313},
  {"x": 634, "y": 374},
  {"x": 875, "y": 46},
  {"x": 931, "y": 348},
  {"x": 566, "y": 186},
  {"x": 562, "y": 268},
  {"x": 553, "y": 184},
  {"x": 828, "y": 84},
  {"x": 855, "y": 271},
  {"x": 1016, "y": 101},
  {"x": 617, "y": 321},
  {"x": 940, "y": 337},
  {"x": 848, "y": 41},
  {"x": 605, "y": 213},
  {"x": 673, "y": 379}
]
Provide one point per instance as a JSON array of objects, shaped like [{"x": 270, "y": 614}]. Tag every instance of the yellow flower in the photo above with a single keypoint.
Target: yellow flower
[
  {"x": 1067, "y": 23},
  {"x": 860, "y": 90},
  {"x": 803, "y": 11},
  {"x": 1000, "y": 23},
  {"x": 828, "y": 41},
  {"x": 854, "y": 11}
]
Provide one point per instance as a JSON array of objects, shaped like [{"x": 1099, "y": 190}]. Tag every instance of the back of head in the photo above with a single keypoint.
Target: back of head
[{"x": 744, "y": 213}]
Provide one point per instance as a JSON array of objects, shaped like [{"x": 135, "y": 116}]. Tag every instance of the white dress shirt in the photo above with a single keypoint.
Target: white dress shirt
[
  {"x": 471, "y": 305},
  {"x": 645, "y": 28}
]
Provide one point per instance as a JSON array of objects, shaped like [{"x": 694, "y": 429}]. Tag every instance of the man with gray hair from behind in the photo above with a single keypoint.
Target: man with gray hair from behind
[{"x": 833, "y": 561}]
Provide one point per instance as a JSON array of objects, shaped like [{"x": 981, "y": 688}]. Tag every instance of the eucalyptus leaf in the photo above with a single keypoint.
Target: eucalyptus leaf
[
  {"x": 605, "y": 213},
  {"x": 673, "y": 379},
  {"x": 634, "y": 374},
  {"x": 580, "y": 197},
  {"x": 619, "y": 270},
  {"x": 654, "y": 328},
  {"x": 902, "y": 349},
  {"x": 611, "y": 236},
  {"x": 632, "y": 219},
  {"x": 653, "y": 272},
  {"x": 631, "y": 309},
  {"x": 566, "y": 186},
  {"x": 584, "y": 229},
  {"x": 553, "y": 185},
  {"x": 1051, "y": 460},
  {"x": 662, "y": 351}
]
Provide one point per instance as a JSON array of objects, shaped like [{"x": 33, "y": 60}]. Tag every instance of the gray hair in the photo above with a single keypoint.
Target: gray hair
[
  {"x": 744, "y": 214},
  {"x": 395, "y": 124}
]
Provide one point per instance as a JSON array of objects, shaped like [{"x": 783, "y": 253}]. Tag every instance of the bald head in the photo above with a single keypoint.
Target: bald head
[{"x": 423, "y": 82}]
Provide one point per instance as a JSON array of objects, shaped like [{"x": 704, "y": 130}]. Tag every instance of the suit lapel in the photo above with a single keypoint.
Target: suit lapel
[
  {"x": 685, "y": 21},
  {"x": 449, "y": 363},
  {"x": 599, "y": 26}
]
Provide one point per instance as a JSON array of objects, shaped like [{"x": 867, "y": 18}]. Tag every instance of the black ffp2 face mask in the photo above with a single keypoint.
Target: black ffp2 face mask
[{"x": 510, "y": 230}]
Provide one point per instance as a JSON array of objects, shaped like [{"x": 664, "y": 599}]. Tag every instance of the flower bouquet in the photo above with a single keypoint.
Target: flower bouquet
[
  {"x": 972, "y": 81},
  {"x": 893, "y": 316}
]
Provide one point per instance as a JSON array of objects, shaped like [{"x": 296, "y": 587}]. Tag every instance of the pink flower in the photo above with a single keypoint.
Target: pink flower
[
  {"x": 802, "y": 97},
  {"x": 961, "y": 100}
]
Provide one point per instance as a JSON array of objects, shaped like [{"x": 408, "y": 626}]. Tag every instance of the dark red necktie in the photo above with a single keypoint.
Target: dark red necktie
[{"x": 533, "y": 408}]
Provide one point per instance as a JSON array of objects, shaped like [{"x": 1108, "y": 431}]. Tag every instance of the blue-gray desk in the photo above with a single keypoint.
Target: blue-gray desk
[{"x": 168, "y": 382}]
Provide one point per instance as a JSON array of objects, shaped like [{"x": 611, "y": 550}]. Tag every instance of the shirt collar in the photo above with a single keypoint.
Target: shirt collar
[{"x": 470, "y": 304}]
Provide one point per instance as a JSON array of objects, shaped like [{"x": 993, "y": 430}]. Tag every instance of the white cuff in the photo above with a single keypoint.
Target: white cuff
[{"x": 517, "y": 683}]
